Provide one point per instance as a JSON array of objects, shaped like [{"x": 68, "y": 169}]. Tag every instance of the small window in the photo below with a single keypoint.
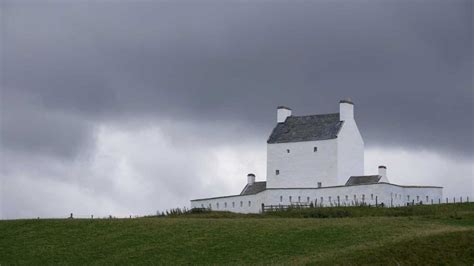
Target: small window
[
  {"x": 202, "y": 205},
  {"x": 426, "y": 198},
  {"x": 225, "y": 205},
  {"x": 372, "y": 196},
  {"x": 307, "y": 199},
  {"x": 347, "y": 197},
  {"x": 417, "y": 198},
  {"x": 287, "y": 150},
  {"x": 281, "y": 198},
  {"x": 355, "y": 197},
  {"x": 217, "y": 205},
  {"x": 408, "y": 197},
  {"x": 363, "y": 196},
  {"x": 241, "y": 204},
  {"x": 233, "y": 204},
  {"x": 320, "y": 184},
  {"x": 315, "y": 149},
  {"x": 250, "y": 203},
  {"x": 277, "y": 172},
  {"x": 329, "y": 198},
  {"x": 299, "y": 198},
  {"x": 210, "y": 206},
  {"x": 289, "y": 198}
]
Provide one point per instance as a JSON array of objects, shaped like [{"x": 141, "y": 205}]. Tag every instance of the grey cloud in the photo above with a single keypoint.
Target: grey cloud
[{"x": 408, "y": 66}]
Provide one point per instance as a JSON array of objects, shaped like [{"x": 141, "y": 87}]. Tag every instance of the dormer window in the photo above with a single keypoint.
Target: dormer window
[
  {"x": 287, "y": 150},
  {"x": 315, "y": 149},
  {"x": 277, "y": 172},
  {"x": 320, "y": 184}
]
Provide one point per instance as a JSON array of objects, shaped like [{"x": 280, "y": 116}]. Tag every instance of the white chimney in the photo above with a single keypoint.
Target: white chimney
[
  {"x": 250, "y": 179},
  {"x": 383, "y": 174},
  {"x": 346, "y": 109},
  {"x": 282, "y": 113}
]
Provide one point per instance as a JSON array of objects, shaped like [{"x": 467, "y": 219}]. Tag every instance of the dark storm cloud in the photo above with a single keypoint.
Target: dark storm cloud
[{"x": 407, "y": 65}]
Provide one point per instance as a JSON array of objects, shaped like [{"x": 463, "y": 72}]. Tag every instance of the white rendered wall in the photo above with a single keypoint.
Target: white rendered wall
[
  {"x": 302, "y": 167},
  {"x": 350, "y": 152},
  {"x": 232, "y": 203},
  {"x": 388, "y": 194}
]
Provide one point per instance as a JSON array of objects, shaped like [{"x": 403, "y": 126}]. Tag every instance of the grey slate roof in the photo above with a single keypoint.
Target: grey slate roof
[
  {"x": 306, "y": 128},
  {"x": 254, "y": 188},
  {"x": 362, "y": 180}
]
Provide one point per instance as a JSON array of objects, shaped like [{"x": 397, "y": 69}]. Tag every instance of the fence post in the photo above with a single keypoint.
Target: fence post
[
  {"x": 263, "y": 207},
  {"x": 460, "y": 199},
  {"x": 70, "y": 217},
  {"x": 431, "y": 201},
  {"x": 447, "y": 201},
  {"x": 376, "y": 201},
  {"x": 467, "y": 199},
  {"x": 454, "y": 199},
  {"x": 439, "y": 201}
]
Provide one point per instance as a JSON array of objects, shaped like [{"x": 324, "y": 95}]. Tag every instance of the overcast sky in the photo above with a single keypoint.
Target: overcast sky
[{"x": 126, "y": 108}]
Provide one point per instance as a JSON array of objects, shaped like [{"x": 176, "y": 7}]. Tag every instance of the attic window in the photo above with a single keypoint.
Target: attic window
[
  {"x": 277, "y": 172},
  {"x": 315, "y": 149},
  {"x": 320, "y": 184},
  {"x": 287, "y": 150}
]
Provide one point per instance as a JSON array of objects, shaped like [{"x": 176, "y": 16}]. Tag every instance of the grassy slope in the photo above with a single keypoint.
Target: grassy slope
[{"x": 436, "y": 235}]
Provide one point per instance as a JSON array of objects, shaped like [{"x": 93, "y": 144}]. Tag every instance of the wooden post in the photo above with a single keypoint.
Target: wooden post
[
  {"x": 376, "y": 201},
  {"x": 447, "y": 201},
  {"x": 467, "y": 199},
  {"x": 70, "y": 217},
  {"x": 454, "y": 199},
  {"x": 263, "y": 208},
  {"x": 460, "y": 199},
  {"x": 431, "y": 201},
  {"x": 439, "y": 201}
]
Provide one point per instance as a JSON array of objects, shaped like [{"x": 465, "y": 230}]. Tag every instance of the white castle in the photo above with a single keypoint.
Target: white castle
[{"x": 319, "y": 159}]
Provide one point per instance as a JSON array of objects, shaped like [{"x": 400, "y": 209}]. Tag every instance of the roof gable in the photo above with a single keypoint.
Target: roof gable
[
  {"x": 306, "y": 128},
  {"x": 255, "y": 188},
  {"x": 362, "y": 180}
]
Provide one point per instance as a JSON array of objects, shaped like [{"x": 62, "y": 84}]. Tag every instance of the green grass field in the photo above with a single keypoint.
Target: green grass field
[{"x": 440, "y": 234}]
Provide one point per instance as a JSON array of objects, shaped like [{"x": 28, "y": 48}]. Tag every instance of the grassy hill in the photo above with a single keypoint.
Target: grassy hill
[{"x": 440, "y": 234}]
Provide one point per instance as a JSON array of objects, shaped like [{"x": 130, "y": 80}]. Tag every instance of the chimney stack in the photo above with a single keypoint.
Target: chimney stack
[
  {"x": 383, "y": 174},
  {"x": 250, "y": 179},
  {"x": 282, "y": 113},
  {"x": 346, "y": 109}
]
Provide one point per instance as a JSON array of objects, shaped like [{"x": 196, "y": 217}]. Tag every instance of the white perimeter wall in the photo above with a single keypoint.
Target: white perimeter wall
[
  {"x": 239, "y": 204},
  {"x": 302, "y": 167},
  {"x": 388, "y": 194}
]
